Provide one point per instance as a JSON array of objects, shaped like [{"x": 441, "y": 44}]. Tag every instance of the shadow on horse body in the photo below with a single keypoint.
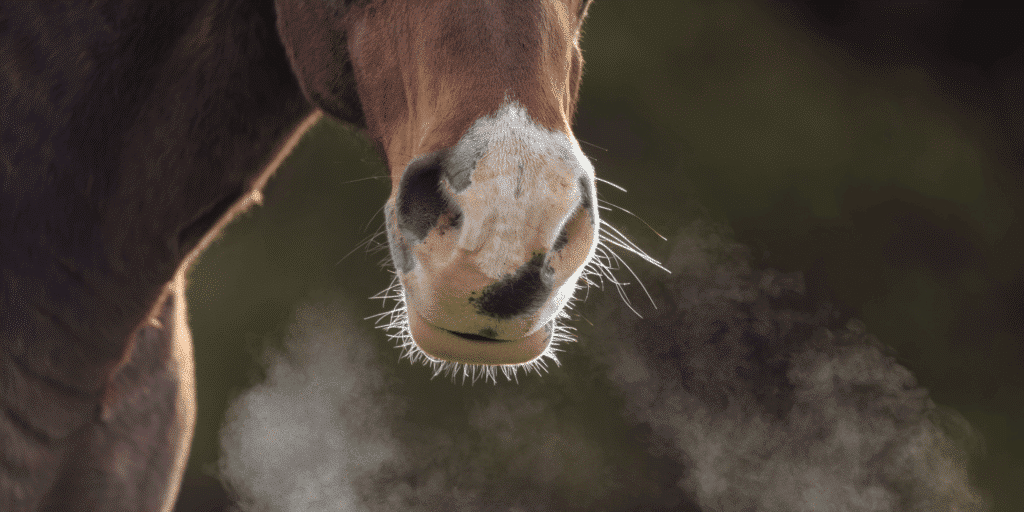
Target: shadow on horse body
[{"x": 131, "y": 132}]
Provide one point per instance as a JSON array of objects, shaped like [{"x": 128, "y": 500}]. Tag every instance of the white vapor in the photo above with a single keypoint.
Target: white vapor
[
  {"x": 771, "y": 410},
  {"x": 729, "y": 397},
  {"x": 304, "y": 438}
]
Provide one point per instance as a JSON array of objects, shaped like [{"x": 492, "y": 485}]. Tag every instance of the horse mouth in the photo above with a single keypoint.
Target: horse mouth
[
  {"x": 475, "y": 337},
  {"x": 468, "y": 348}
]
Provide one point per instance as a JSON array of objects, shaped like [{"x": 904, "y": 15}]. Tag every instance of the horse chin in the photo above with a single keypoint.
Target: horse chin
[{"x": 443, "y": 344}]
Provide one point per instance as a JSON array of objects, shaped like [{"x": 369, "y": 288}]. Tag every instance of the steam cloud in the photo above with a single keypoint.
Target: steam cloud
[{"x": 729, "y": 397}]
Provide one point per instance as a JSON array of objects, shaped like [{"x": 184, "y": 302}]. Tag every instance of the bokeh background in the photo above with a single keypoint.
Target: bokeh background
[{"x": 877, "y": 150}]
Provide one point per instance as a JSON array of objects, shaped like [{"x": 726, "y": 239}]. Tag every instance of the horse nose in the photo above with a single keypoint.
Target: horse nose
[
  {"x": 490, "y": 237},
  {"x": 421, "y": 201},
  {"x": 499, "y": 233}
]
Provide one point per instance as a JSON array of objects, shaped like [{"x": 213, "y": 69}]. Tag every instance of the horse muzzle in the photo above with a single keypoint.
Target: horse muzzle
[{"x": 490, "y": 237}]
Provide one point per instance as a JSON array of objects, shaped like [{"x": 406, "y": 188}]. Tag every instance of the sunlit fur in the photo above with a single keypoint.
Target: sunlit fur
[{"x": 602, "y": 267}]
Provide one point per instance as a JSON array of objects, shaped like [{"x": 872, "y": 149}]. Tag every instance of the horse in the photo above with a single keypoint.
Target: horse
[{"x": 133, "y": 132}]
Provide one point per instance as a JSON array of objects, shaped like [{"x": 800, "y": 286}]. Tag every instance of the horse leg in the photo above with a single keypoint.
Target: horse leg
[
  {"x": 128, "y": 128},
  {"x": 133, "y": 454}
]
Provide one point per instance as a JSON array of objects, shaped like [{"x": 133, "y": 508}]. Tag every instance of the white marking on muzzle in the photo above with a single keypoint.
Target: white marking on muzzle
[{"x": 523, "y": 188}]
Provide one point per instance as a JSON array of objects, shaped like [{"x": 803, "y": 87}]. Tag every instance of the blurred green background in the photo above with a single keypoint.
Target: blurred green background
[{"x": 894, "y": 203}]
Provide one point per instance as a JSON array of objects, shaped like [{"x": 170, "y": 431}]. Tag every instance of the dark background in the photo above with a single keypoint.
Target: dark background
[{"x": 877, "y": 147}]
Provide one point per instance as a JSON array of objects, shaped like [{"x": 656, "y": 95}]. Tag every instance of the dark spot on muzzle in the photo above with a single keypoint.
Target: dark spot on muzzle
[
  {"x": 521, "y": 293},
  {"x": 420, "y": 200}
]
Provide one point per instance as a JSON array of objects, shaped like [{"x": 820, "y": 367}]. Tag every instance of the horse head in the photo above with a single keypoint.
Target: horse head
[{"x": 492, "y": 216}]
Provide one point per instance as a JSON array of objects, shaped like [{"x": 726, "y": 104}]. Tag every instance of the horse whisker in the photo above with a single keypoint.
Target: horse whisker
[
  {"x": 612, "y": 205},
  {"x": 606, "y": 182}
]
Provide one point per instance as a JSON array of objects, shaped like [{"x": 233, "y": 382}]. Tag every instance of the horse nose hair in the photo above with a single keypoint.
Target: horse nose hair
[
  {"x": 522, "y": 292},
  {"x": 421, "y": 201}
]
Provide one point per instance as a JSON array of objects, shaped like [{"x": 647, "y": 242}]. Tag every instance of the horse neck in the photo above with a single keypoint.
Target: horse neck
[{"x": 151, "y": 142}]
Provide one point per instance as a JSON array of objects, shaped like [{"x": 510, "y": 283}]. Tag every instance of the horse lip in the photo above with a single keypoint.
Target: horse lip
[{"x": 440, "y": 343}]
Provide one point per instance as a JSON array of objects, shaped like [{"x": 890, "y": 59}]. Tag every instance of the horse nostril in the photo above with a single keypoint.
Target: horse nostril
[
  {"x": 517, "y": 294},
  {"x": 574, "y": 224},
  {"x": 420, "y": 201},
  {"x": 562, "y": 240}
]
